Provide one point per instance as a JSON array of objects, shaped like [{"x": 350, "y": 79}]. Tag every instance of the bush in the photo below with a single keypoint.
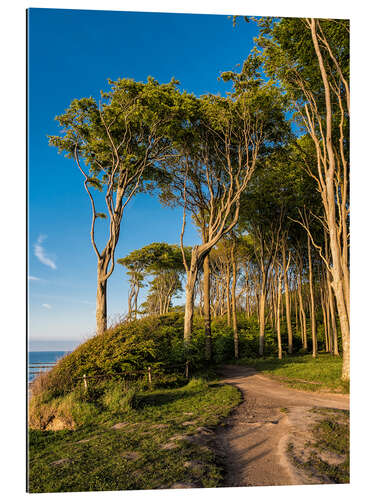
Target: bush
[
  {"x": 197, "y": 384},
  {"x": 119, "y": 397},
  {"x": 132, "y": 347}
]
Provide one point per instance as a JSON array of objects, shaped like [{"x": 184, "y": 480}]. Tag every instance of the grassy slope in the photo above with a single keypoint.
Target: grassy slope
[
  {"x": 304, "y": 372},
  {"x": 96, "y": 455}
]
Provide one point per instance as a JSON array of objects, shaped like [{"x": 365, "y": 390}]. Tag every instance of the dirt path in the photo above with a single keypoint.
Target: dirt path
[{"x": 255, "y": 440}]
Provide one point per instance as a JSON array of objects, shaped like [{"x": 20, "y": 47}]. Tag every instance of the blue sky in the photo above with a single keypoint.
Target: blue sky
[{"x": 71, "y": 55}]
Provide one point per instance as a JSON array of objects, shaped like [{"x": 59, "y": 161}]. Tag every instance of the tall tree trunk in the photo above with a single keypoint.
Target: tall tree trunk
[
  {"x": 101, "y": 303},
  {"x": 130, "y": 306},
  {"x": 278, "y": 323},
  {"x": 303, "y": 314},
  {"x": 333, "y": 319},
  {"x": 287, "y": 299},
  {"x": 228, "y": 295},
  {"x": 191, "y": 278},
  {"x": 325, "y": 321},
  {"x": 339, "y": 268},
  {"x": 189, "y": 309},
  {"x": 136, "y": 301},
  {"x": 247, "y": 295},
  {"x": 262, "y": 303},
  {"x": 234, "y": 312},
  {"x": 312, "y": 301},
  {"x": 207, "y": 306}
]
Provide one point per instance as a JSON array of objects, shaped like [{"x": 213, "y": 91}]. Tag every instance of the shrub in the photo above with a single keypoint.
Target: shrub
[
  {"x": 197, "y": 384},
  {"x": 119, "y": 397},
  {"x": 154, "y": 341}
]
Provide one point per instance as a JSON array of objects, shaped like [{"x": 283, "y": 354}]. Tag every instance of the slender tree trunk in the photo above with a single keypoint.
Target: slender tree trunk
[
  {"x": 101, "y": 303},
  {"x": 234, "y": 312},
  {"x": 312, "y": 301},
  {"x": 304, "y": 327},
  {"x": 339, "y": 268},
  {"x": 278, "y": 323},
  {"x": 228, "y": 295},
  {"x": 189, "y": 310},
  {"x": 130, "y": 307},
  {"x": 222, "y": 299},
  {"x": 206, "y": 306},
  {"x": 301, "y": 326},
  {"x": 262, "y": 303},
  {"x": 247, "y": 297},
  {"x": 136, "y": 301},
  {"x": 302, "y": 310},
  {"x": 325, "y": 321},
  {"x": 287, "y": 300},
  {"x": 275, "y": 303},
  {"x": 333, "y": 320}
]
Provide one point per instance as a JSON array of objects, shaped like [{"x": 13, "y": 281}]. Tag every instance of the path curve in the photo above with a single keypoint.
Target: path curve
[{"x": 255, "y": 439}]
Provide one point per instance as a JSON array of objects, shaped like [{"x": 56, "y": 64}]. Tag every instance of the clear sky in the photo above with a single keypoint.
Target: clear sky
[{"x": 71, "y": 55}]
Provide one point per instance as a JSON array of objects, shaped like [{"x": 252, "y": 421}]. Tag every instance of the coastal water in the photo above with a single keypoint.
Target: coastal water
[{"x": 42, "y": 357}]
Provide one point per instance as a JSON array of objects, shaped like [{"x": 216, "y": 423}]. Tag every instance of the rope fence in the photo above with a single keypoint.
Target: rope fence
[
  {"x": 149, "y": 373},
  {"x": 37, "y": 368}
]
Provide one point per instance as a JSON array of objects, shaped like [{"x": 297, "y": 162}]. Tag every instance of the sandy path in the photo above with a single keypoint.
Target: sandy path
[{"x": 255, "y": 440}]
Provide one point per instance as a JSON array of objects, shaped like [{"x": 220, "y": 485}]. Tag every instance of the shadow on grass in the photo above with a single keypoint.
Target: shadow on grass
[
  {"x": 300, "y": 370},
  {"x": 273, "y": 363}
]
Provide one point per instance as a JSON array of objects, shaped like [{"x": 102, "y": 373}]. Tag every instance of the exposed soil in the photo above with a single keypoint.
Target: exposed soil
[{"x": 271, "y": 420}]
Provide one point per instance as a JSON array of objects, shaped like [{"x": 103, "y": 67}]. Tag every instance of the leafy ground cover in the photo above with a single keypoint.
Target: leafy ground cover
[
  {"x": 303, "y": 371},
  {"x": 146, "y": 440}
]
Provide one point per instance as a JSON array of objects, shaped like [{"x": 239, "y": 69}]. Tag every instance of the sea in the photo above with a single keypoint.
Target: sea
[{"x": 42, "y": 357}]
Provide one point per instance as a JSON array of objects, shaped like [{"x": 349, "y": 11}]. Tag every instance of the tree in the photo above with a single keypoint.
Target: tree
[
  {"x": 310, "y": 58},
  {"x": 164, "y": 263},
  {"x": 114, "y": 143},
  {"x": 218, "y": 152}
]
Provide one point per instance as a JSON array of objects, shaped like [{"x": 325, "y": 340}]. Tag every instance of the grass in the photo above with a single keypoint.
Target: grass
[
  {"x": 331, "y": 436},
  {"x": 98, "y": 457},
  {"x": 303, "y": 371},
  {"x": 327, "y": 453},
  {"x": 332, "y": 432}
]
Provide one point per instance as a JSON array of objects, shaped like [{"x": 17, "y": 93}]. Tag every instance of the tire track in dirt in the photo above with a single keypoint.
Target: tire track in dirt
[{"x": 256, "y": 436}]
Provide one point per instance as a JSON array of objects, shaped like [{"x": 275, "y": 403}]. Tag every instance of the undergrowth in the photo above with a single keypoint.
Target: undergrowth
[{"x": 97, "y": 456}]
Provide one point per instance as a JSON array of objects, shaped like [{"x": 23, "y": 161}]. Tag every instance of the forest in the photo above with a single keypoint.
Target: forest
[{"x": 262, "y": 173}]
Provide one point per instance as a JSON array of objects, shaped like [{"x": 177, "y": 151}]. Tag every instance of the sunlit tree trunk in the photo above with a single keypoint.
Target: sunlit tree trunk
[
  {"x": 228, "y": 294},
  {"x": 101, "y": 303},
  {"x": 333, "y": 320},
  {"x": 325, "y": 320},
  {"x": 303, "y": 314},
  {"x": 262, "y": 303},
  {"x": 339, "y": 248},
  {"x": 234, "y": 312},
  {"x": 312, "y": 302},
  {"x": 206, "y": 306},
  {"x": 278, "y": 324},
  {"x": 189, "y": 309},
  {"x": 287, "y": 298}
]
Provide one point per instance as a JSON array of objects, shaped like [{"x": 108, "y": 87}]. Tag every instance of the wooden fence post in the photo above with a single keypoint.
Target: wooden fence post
[
  {"x": 149, "y": 375},
  {"x": 85, "y": 382},
  {"x": 187, "y": 369}
]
